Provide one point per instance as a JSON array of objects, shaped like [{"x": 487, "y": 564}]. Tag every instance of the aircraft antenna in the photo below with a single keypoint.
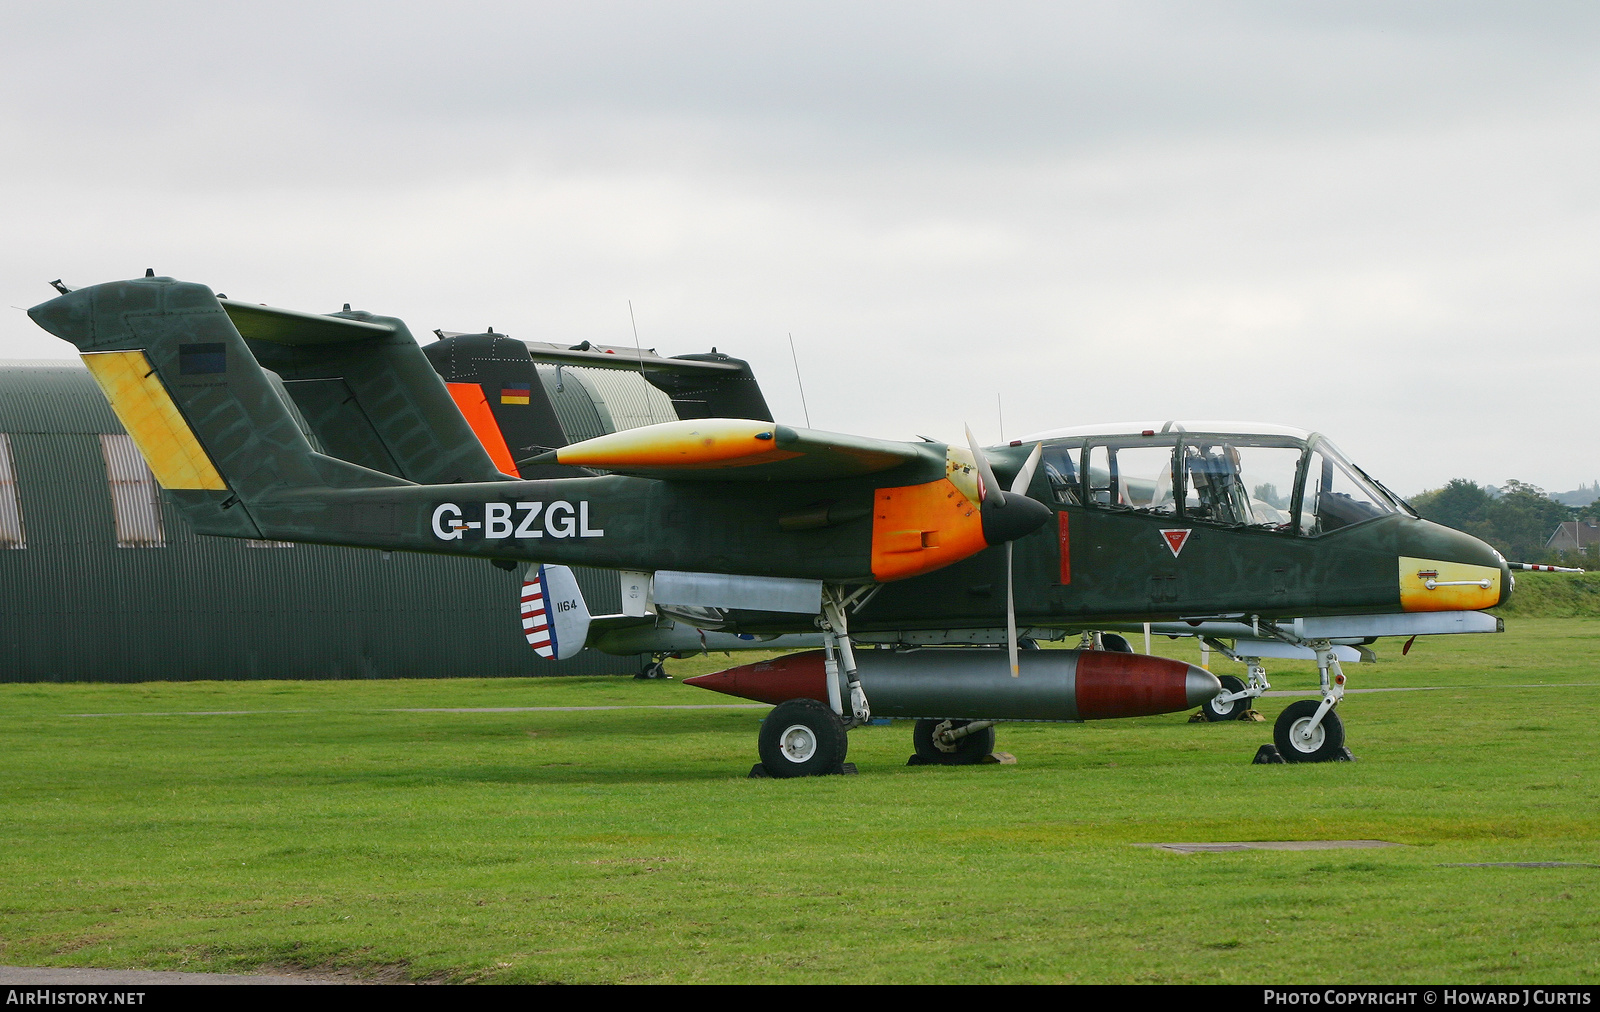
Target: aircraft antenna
[
  {"x": 639, "y": 352},
  {"x": 1000, "y": 408},
  {"x": 798, "y": 381}
]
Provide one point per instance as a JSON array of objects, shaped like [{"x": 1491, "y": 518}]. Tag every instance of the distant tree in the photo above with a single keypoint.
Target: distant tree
[
  {"x": 1460, "y": 504},
  {"x": 1267, "y": 492},
  {"x": 1517, "y": 521},
  {"x": 1589, "y": 512},
  {"x": 1523, "y": 518}
]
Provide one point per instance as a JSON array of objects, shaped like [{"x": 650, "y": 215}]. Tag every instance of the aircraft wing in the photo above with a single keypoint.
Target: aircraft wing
[{"x": 737, "y": 449}]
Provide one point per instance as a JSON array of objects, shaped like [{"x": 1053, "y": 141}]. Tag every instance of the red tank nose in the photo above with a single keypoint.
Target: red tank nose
[
  {"x": 1111, "y": 684},
  {"x": 793, "y": 676}
]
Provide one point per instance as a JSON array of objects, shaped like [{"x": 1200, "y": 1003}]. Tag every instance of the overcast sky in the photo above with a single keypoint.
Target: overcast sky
[{"x": 1380, "y": 221}]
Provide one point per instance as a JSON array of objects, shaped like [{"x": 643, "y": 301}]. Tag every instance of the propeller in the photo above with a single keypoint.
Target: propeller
[
  {"x": 1019, "y": 486},
  {"x": 989, "y": 489}
]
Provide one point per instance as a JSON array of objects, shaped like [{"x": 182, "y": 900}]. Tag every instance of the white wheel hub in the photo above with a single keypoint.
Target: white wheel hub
[
  {"x": 797, "y": 743},
  {"x": 1304, "y": 741},
  {"x": 1222, "y": 705}
]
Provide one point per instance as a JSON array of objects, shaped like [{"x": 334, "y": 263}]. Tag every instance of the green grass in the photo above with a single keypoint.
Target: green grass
[
  {"x": 1554, "y": 595},
  {"x": 626, "y": 845}
]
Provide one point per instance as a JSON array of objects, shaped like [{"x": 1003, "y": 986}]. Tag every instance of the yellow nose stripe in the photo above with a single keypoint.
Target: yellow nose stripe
[
  {"x": 1431, "y": 585},
  {"x": 146, "y": 410}
]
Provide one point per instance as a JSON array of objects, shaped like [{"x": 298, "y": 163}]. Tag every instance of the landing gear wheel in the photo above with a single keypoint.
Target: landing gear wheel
[
  {"x": 1233, "y": 709},
  {"x": 1326, "y": 743},
  {"x": 964, "y": 752},
  {"x": 1115, "y": 643},
  {"x": 802, "y": 738},
  {"x": 655, "y": 669}
]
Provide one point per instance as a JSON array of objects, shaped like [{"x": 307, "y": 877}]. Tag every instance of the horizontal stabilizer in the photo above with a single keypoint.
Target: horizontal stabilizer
[
  {"x": 601, "y": 357},
  {"x": 293, "y": 327},
  {"x": 737, "y": 449}
]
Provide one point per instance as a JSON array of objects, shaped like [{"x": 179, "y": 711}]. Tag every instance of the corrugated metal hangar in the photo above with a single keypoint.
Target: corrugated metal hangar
[{"x": 102, "y": 581}]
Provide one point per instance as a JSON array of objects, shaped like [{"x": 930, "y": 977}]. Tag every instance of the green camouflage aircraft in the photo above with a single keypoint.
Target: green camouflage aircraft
[{"x": 337, "y": 429}]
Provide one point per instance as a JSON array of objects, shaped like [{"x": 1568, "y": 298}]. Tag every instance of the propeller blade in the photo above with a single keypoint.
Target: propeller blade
[
  {"x": 1024, "y": 478},
  {"x": 1020, "y": 484},
  {"x": 1011, "y": 614},
  {"x": 991, "y": 487}
]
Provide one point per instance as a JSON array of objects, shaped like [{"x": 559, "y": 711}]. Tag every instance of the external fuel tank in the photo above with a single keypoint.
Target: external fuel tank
[{"x": 975, "y": 683}]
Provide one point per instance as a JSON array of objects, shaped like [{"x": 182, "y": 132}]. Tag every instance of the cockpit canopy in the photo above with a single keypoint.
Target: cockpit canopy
[{"x": 1232, "y": 474}]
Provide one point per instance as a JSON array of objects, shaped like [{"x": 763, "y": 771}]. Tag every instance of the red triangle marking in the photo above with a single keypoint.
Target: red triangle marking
[{"x": 1176, "y": 540}]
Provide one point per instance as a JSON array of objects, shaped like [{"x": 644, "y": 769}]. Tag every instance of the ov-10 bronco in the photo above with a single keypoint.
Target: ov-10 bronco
[{"x": 253, "y": 420}]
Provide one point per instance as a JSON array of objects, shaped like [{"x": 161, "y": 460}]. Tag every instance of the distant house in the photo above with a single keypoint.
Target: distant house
[{"x": 1575, "y": 535}]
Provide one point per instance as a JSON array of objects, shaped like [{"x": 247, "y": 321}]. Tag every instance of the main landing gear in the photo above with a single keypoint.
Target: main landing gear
[
  {"x": 952, "y": 742},
  {"x": 802, "y": 738},
  {"x": 657, "y": 668},
  {"x": 806, "y": 738},
  {"x": 809, "y": 738}
]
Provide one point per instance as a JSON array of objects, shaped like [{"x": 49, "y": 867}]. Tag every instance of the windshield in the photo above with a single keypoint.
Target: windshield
[
  {"x": 1268, "y": 481},
  {"x": 1336, "y": 494}
]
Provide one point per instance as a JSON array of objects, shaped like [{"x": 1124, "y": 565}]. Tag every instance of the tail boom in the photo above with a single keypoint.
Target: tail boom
[{"x": 187, "y": 375}]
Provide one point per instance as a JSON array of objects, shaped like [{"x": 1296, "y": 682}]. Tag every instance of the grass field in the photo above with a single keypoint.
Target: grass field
[{"x": 326, "y": 827}]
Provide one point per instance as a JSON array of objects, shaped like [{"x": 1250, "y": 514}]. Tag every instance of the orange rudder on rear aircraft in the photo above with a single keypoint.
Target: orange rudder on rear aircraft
[{"x": 474, "y": 405}]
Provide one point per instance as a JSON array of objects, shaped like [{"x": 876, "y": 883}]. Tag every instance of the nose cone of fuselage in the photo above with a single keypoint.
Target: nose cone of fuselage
[{"x": 1455, "y": 557}]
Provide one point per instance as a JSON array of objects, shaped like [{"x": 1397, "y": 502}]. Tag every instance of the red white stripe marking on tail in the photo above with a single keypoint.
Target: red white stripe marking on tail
[{"x": 535, "y": 621}]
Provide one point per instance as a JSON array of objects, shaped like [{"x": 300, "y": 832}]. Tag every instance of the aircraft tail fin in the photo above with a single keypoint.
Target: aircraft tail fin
[
  {"x": 555, "y": 617},
  {"x": 496, "y": 384},
  {"x": 368, "y": 392},
  {"x": 215, "y": 430}
]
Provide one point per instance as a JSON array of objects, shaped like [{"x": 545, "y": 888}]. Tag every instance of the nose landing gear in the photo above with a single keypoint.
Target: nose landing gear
[
  {"x": 1235, "y": 700},
  {"x": 1309, "y": 731}
]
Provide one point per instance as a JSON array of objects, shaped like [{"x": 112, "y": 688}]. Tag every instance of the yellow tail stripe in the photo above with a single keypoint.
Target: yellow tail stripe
[{"x": 146, "y": 410}]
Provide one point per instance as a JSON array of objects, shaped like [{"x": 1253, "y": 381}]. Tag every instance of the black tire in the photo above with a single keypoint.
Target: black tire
[
  {"x": 655, "y": 669},
  {"x": 802, "y": 738},
  {"x": 968, "y": 750},
  {"x": 1115, "y": 643},
  {"x": 1231, "y": 710},
  {"x": 1327, "y": 743}
]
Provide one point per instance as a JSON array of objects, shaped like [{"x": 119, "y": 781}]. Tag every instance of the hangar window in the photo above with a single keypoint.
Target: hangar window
[
  {"x": 253, "y": 543},
  {"x": 11, "y": 534},
  {"x": 135, "y": 497}
]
